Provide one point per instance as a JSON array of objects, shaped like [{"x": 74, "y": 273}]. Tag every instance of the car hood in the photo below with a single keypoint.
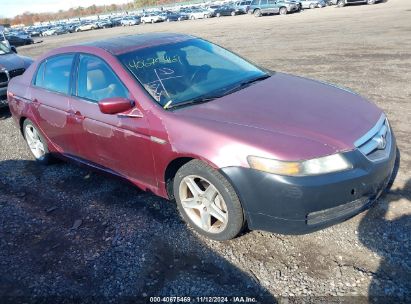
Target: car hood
[
  {"x": 330, "y": 117},
  {"x": 13, "y": 61}
]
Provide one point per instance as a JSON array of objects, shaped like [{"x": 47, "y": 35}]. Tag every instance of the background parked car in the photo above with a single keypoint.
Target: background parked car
[
  {"x": 131, "y": 20},
  {"x": 86, "y": 27},
  {"x": 151, "y": 18},
  {"x": 199, "y": 14},
  {"x": 19, "y": 40},
  {"x": 243, "y": 6},
  {"x": 11, "y": 65},
  {"x": 104, "y": 23},
  {"x": 310, "y": 4},
  {"x": 225, "y": 10},
  {"x": 266, "y": 7},
  {"x": 342, "y": 3},
  {"x": 174, "y": 16}
]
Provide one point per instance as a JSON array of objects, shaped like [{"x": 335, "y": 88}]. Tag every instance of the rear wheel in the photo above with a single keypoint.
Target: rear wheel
[
  {"x": 341, "y": 3},
  {"x": 257, "y": 13},
  {"x": 218, "y": 15},
  {"x": 152, "y": 20},
  {"x": 283, "y": 11},
  {"x": 371, "y": 2},
  {"x": 207, "y": 201},
  {"x": 192, "y": 18},
  {"x": 144, "y": 22},
  {"x": 36, "y": 142},
  {"x": 232, "y": 13}
]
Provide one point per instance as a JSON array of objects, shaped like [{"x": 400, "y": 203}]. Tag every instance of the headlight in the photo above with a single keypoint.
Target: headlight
[{"x": 322, "y": 165}]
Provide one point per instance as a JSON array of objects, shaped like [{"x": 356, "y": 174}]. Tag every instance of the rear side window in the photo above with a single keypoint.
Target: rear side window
[
  {"x": 96, "y": 80},
  {"x": 255, "y": 2},
  {"x": 263, "y": 2},
  {"x": 54, "y": 73}
]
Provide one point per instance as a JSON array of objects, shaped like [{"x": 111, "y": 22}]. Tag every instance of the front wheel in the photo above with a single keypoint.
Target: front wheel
[
  {"x": 36, "y": 142},
  {"x": 283, "y": 11},
  {"x": 312, "y": 6},
  {"x": 233, "y": 14},
  {"x": 341, "y": 3},
  {"x": 371, "y": 2},
  {"x": 218, "y": 15},
  {"x": 257, "y": 13},
  {"x": 207, "y": 201}
]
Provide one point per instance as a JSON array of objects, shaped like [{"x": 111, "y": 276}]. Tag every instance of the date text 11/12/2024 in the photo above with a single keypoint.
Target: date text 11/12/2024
[{"x": 204, "y": 299}]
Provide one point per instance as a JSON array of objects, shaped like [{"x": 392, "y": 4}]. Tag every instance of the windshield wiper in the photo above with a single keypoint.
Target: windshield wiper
[{"x": 207, "y": 98}]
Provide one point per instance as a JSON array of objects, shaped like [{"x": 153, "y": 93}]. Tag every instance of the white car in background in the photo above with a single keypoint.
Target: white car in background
[
  {"x": 199, "y": 14},
  {"x": 129, "y": 21},
  {"x": 310, "y": 3},
  {"x": 86, "y": 27},
  {"x": 49, "y": 32},
  {"x": 151, "y": 18}
]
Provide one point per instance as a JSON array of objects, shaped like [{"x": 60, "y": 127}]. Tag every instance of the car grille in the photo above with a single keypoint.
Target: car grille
[
  {"x": 376, "y": 143},
  {"x": 4, "y": 78},
  {"x": 17, "y": 72}
]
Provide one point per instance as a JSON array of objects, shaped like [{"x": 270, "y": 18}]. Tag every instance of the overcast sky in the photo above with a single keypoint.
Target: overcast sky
[{"x": 11, "y": 8}]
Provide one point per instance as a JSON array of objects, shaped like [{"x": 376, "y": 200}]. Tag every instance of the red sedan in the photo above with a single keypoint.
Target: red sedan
[{"x": 232, "y": 143}]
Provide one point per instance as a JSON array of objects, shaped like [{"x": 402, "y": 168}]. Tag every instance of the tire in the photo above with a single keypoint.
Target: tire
[
  {"x": 152, "y": 21},
  {"x": 370, "y": 2},
  {"x": 257, "y": 13},
  {"x": 341, "y": 3},
  {"x": 218, "y": 15},
  {"x": 233, "y": 14},
  {"x": 193, "y": 18},
  {"x": 312, "y": 6},
  {"x": 179, "y": 19},
  {"x": 283, "y": 11},
  {"x": 223, "y": 201},
  {"x": 43, "y": 156},
  {"x": 144, "y": 22}
]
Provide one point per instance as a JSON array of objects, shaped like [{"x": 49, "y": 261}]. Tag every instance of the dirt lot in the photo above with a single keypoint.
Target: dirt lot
[{"x": 132, "y": 244}]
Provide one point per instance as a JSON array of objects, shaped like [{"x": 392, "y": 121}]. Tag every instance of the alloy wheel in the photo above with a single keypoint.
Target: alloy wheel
[
  {"x": 34, "y": 141},
  {"x": 203, "y": 204}
]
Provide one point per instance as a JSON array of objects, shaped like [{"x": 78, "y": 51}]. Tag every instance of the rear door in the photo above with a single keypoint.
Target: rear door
[
  {"x": 264, "y": 7},
  {"x": 119, "y": 143},
  {"x": 50, "y": 99},
  {"x": 274, "y": 7}
]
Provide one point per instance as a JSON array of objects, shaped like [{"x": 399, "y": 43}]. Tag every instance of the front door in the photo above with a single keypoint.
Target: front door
[{"x": 115, "y": 142}]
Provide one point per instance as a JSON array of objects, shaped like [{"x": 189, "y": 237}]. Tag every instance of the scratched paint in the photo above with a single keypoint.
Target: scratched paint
[
  {"x": 54, "y": 117},
  {"x": 98, "y": 128}
]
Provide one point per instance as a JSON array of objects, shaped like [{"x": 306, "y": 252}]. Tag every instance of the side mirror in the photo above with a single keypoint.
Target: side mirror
[
  {"x": 115, "y": 105},
  {"x": 13, "y": 48}
]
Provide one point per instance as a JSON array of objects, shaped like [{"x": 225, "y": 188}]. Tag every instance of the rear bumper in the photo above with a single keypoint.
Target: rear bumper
[{"x": 298, "y": 205}]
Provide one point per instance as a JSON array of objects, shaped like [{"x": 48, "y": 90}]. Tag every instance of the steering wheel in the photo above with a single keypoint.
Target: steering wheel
[{"x": 200, "y": 74}]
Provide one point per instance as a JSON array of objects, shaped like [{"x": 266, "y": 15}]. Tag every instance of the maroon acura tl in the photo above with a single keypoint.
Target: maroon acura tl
[{"x": 232, "y": 143}]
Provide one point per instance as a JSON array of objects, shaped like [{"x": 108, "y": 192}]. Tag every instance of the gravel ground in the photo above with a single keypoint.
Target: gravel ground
[{"x": 68, "y": 233}]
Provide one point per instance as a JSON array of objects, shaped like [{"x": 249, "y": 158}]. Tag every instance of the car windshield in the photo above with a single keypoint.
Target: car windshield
[
  {"x": 4, "y": 49},
  {"x": 190, "y": 71}
]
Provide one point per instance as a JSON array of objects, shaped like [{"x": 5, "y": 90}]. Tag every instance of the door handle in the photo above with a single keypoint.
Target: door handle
[{"x": 77, "y": 115}]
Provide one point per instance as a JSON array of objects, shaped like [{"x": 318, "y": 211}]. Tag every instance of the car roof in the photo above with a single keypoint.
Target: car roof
[{"x": 123, "y": 44}]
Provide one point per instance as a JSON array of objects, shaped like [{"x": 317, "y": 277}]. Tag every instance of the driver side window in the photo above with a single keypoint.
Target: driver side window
[{"x": 97, "y": 81}]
